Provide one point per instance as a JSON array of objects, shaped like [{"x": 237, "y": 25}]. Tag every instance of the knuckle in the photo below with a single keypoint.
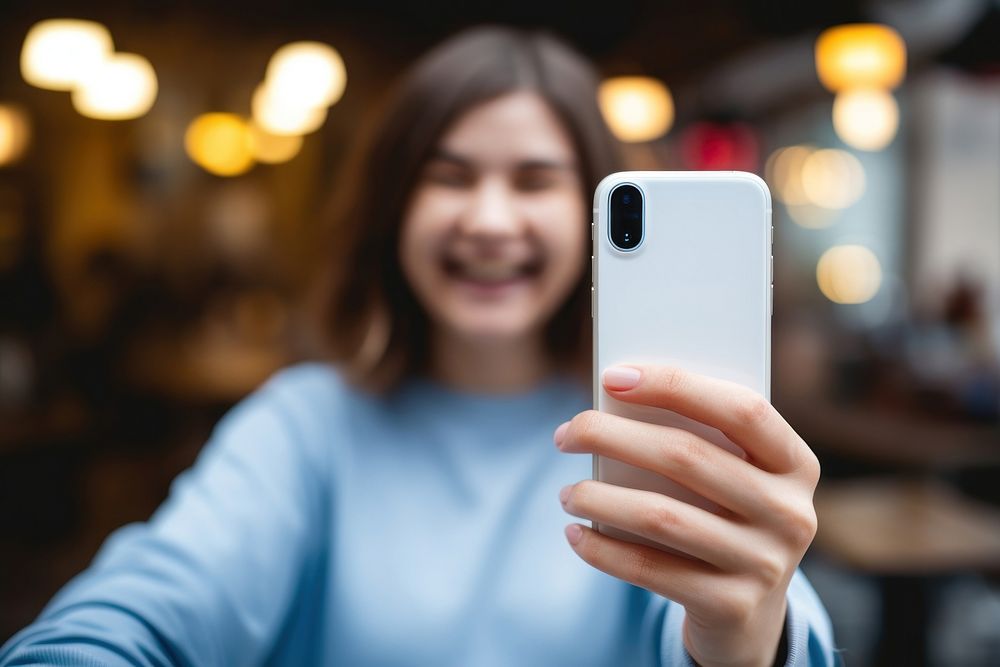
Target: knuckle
[
  {"x": 811, "y": 466},
  {"x": 735, "y": 607},
  {"x": 752, "y": 409},
  {"x": 771, "y": 570},
  {"x": 686, "y": 454},
  {"x": 583, "y": 428},
  {"x": 800, "y": 525},
  {"x": 672, "y": 380},
  {"x": 658, "y": 519},
  {"x": 807, "y": 529},
  {"x": 640, "y": 567},
  {"x": 581, "y": 494}
]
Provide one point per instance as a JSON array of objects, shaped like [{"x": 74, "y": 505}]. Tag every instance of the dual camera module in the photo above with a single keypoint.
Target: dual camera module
[{"x": 625, "y": 215}]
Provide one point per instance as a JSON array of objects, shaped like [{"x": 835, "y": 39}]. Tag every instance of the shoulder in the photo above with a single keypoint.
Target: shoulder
[
  {"x": 309, "y": 385},
  {"x": 313, "y": 394},
  {"x": 307, "y": 406}
]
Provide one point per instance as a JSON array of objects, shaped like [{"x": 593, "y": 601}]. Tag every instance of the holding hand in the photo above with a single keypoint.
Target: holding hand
[{"x": 734, "y": 589}]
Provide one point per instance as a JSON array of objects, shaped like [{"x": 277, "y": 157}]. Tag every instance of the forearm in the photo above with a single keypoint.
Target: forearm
[
  {"x": 142, "y": 602},
  {"x": 91, "y": 634}
]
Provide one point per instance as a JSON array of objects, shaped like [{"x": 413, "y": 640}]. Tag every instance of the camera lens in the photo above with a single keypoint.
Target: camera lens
[{"x": 626, "y": 217}]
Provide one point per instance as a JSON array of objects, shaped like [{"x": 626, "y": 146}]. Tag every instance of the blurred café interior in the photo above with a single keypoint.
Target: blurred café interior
[{"x": 165, "y": 186}]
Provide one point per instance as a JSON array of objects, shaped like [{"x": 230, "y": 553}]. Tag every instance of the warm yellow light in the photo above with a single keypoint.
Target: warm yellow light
[
  {"x": 307, "y": 75},
  {"x": 814, "y": 183},
  {"x": 123, "y": 86},
  {"x": 15, "y": 133},
  {"x": 832, "y": 178},
  {"x": 220, "y": 143},
  {"x": 57, "y": 53},
  {"x": 849, "y": 274},
  {"x": 274, "y": 148},
  {"x": 783, "y": 172},
  {"x": 860, "y": 55},
  {"x": 866, "y": 119},
  {"x": 811, "y": 216},
  {"x": 636, "y": 108},
  {"x": 281, "y": 116}
]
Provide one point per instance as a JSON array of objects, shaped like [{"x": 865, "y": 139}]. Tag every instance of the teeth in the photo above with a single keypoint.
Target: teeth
[{"x": 492, "y": 270}]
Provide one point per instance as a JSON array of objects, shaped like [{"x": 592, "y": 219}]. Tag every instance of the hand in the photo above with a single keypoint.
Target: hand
[{"x": 734, "y": 589}]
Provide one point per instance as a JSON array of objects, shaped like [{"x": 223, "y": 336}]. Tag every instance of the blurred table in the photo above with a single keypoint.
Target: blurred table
[
  {"x": 906, "y": 533},
  {"x": 906, "y": 527},
  {"x": 872, "y": 435}
]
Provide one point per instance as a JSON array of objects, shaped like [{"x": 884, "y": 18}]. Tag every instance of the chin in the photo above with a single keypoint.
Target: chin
[{"x": 496, "y": 327}]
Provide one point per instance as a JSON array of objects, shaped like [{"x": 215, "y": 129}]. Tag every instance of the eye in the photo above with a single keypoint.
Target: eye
[
  {"x": 535, "y": 180},
  {"x": 448, "y": 174}
]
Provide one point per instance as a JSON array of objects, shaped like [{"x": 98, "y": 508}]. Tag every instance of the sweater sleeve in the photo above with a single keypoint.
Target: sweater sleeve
[
  {"x": 211, "y": 576},
  {"x": 807, "y": 628}
]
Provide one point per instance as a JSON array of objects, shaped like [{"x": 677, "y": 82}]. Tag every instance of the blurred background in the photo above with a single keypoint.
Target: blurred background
[{"x": 165, "y": 187}]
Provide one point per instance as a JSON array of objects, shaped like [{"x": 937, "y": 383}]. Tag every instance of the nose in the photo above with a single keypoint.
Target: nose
[{"x": 492, "y": 210}]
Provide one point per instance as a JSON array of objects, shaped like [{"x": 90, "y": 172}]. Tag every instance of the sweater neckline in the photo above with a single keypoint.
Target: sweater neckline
[{"x": 553, "y": 388}]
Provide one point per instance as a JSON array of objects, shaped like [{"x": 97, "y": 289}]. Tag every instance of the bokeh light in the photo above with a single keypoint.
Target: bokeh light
[
  {"x": 719, "y": 146},
  {"x": 274, "y": 148},
  {"x": 58, "y": 53},
  {"x": 306, "y": 75},
  {"x": 866, "y": 119},
  {"x": 636, "y": 108},
  {"x": 282, "y": 116},
  {"x": 783, "y": 172},
  {"x": 832, "y": 178},
  {"x": 15, "y": 133},
  {"x": 849, "y": 274},
  {"x": 220, "y": 143},
  {"x": 811, "y": 216},
  {"x": 860, "y": 55},
  {"x": 121, "y": 87},
  {"x": 814, "y": 184}
]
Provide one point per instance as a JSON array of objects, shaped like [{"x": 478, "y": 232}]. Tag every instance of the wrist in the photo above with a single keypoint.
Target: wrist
[{"x": 762, "y": 643}]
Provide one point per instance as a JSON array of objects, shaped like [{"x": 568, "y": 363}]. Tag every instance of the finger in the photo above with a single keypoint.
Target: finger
[
  {"x": 680, "y": 579},
  {"x": 663, "y": 520},
  {"x": 699, "y": 465},
  {"x": 743, "y": 415}
]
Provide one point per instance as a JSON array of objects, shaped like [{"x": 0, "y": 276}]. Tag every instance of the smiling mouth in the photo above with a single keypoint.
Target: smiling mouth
[{"x": 490, "y": 272}]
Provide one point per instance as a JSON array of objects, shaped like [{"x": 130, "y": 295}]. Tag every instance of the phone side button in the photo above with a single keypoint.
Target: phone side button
[
  {"x": 593, "y": 301},
  {"x": 770, "y": 302}
]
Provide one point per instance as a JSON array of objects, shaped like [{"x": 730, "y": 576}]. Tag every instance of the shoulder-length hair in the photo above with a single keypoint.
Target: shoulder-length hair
[{"x": 374, "y": 324}]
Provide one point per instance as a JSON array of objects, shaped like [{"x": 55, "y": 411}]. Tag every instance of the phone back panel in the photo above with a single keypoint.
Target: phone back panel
[{"x": 696, "y": 293}]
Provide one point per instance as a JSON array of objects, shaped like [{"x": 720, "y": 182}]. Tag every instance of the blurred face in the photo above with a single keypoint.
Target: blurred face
[{"x": 493, "y": 238}]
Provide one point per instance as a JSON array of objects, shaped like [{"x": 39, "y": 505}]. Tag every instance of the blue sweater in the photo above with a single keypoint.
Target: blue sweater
[{"x": 321, "y": 525}]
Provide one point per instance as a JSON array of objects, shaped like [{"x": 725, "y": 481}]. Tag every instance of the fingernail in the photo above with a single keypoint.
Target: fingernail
[
  {"x": 560, "y": 433},
  {"x": 573, "y": 533},
  {"x": 564, "y": 493},
  {"x": 620, "y": 378}
]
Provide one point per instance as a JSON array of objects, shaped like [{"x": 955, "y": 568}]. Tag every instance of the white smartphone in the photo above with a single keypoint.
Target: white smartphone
[{"x": 682, "y": 275}]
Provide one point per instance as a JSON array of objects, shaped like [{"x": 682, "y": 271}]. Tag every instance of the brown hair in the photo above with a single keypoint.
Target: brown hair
[{"x": 375, "y": 324}]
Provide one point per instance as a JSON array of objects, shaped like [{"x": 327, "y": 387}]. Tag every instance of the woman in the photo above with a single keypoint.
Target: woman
[{"x": 406, "y": 505}]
